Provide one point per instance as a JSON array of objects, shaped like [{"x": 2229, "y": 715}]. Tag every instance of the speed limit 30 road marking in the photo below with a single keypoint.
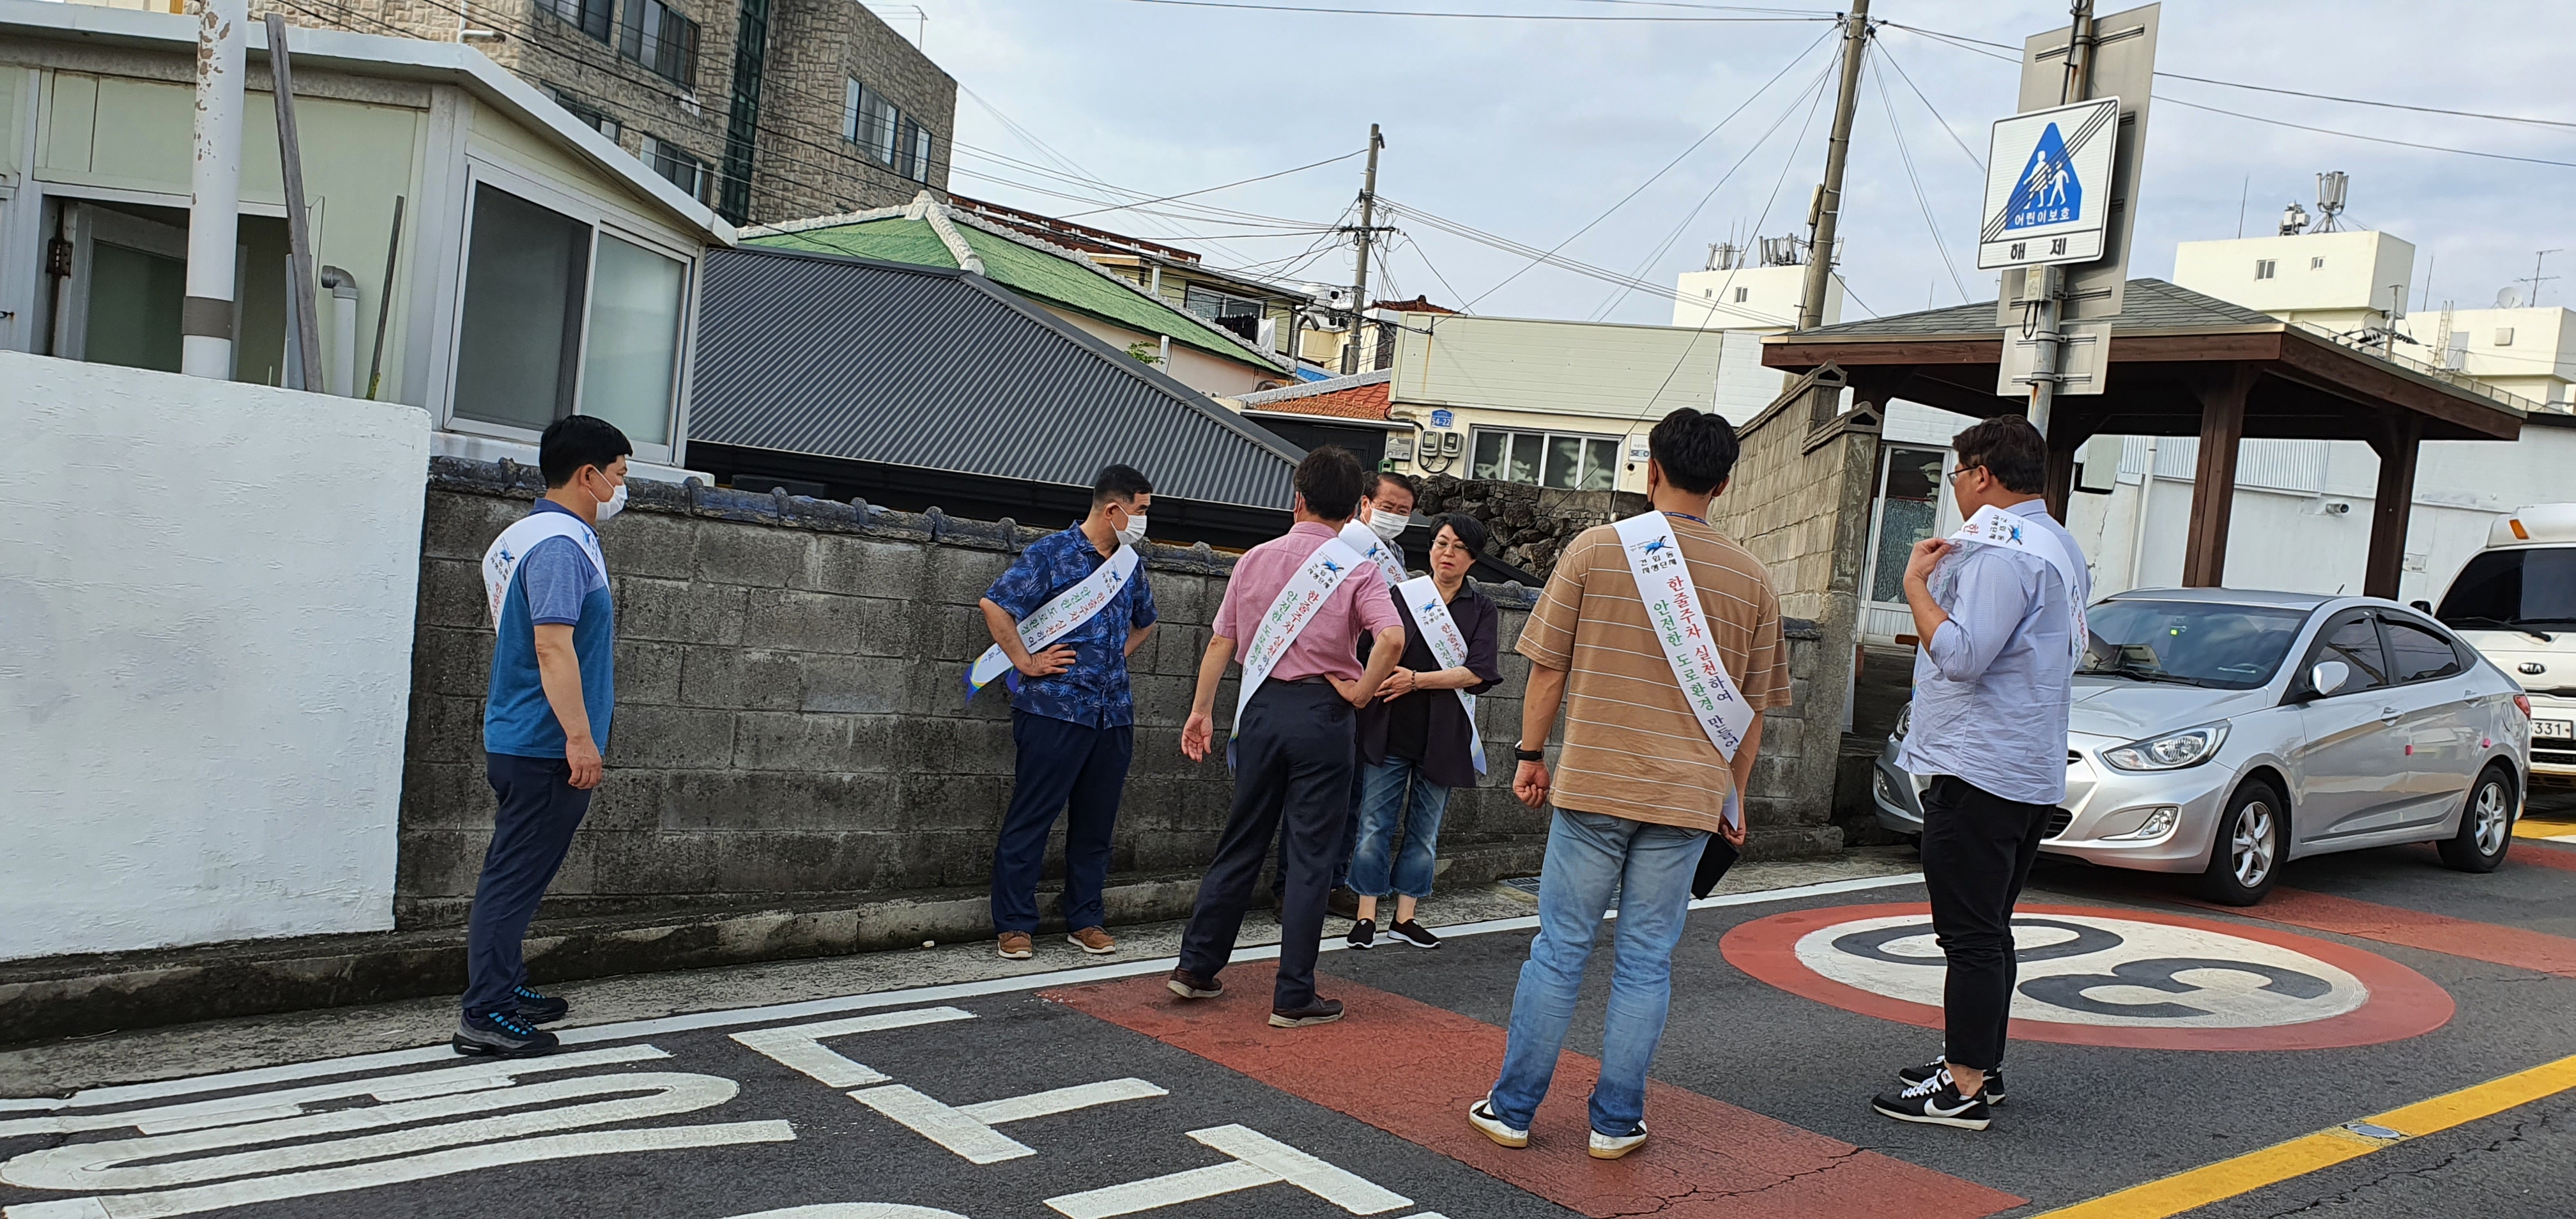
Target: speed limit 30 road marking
[{"x": 2131, "y": 978}]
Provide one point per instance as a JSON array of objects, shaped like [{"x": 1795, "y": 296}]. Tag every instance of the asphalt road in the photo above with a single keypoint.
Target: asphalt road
[{"x": 2155, "y": 1037}]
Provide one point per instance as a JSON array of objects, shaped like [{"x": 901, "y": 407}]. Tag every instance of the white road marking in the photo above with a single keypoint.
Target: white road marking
[
  {"x": 1060, "y": 1100},
  {"x": 1258, "y": 1160},
  {"x": 801, "y": 1045},
  {"x": 409, "y": 1168},
  {"x": 729, "y": 1017},
  {"x": 968, "y": 1129},
  {"x": 977, "y": 1142},
  {"x": 262, "y": 1106},
  {"x": 488, "y": 1116},
  {"x": 858, "y": 1210}
]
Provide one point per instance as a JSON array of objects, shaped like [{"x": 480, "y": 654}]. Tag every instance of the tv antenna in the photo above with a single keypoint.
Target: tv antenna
[{"x": 2535, "y": 279}]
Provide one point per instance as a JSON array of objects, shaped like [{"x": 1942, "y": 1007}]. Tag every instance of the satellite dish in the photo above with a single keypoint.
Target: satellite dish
[{"x": 2510, "y": 298}]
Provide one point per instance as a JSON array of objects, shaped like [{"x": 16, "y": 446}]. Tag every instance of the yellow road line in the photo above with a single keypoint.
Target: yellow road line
[
  {"x": 2272, "y": 1165},
  {"x": 2545, "y": 831}
]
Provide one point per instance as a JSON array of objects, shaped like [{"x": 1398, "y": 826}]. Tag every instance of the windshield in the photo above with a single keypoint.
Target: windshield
[
  {"x": 2513, "y": 588},
  {"x": 2221, "y": 647}
]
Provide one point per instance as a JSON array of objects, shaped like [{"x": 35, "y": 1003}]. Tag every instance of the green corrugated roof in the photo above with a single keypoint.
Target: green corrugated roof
[{"x": 1037, "y": 274}]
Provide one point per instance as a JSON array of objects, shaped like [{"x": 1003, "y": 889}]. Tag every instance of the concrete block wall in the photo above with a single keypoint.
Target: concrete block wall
[{"x": 791, "y": 726}]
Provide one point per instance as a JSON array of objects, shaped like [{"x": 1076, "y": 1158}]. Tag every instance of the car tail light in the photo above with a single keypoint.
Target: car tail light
[{"x": 2522, "y": 703}]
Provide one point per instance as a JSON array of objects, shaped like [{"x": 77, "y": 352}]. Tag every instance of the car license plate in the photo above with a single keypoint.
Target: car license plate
[{"x": 2563, "y": 730}]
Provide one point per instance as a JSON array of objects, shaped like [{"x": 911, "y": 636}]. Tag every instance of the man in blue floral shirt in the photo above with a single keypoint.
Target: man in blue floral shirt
[{"x": 1072, "y": 715}]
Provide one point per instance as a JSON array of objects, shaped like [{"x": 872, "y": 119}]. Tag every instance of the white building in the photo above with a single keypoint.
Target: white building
[
  {"x": 2342, "y": 281},
  {"x": 1761, "y": 299},
  {"x": 2526, "y": 351}
]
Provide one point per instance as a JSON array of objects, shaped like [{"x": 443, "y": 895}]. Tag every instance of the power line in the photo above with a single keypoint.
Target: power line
[
  {"x": 1813, "y": 95},
  {"x": 1386, "y": 12},
  {"x": 1230, "y": 185},
  {"x": 2363, "y": 101},
  {"x": 2375, "y": 139},
  {"x": 1651, "y": 179},
  {"x": 1946, "y": 129},
  {"x": 1906, "y": 155}
]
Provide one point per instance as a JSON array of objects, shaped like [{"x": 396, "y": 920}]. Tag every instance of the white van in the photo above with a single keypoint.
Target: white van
[{"x": 2515, "y": 602}]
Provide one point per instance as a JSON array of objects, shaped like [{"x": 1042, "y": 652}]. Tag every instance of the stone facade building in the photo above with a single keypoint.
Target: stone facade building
[{"x": 766, "y": 110}]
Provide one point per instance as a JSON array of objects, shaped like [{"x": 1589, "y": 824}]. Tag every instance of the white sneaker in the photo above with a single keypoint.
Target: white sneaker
[
  {"x": 1613, "y": 1146},
  {"x": 1481, "y": 1116}
]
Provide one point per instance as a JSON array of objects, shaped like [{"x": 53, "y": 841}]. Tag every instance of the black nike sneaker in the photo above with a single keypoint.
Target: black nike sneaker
[
  {"x": 535, "y": 1008},
  {"x": 1994, "y": 1092},
  {"x": 1935, "y": 1102}
]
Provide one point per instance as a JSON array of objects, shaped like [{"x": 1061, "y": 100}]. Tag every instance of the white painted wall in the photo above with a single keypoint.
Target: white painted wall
[
  {"x": 1760, "y": 298},
  {"x": 206, "y": 594},
  {"x": 2320, "y": 276}
]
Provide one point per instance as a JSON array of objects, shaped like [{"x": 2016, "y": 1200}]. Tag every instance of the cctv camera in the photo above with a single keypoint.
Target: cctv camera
[{"x": 2339, "y": 508}]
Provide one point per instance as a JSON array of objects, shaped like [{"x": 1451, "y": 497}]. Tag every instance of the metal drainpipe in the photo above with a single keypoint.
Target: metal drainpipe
[{"x": 214, "y": 183}]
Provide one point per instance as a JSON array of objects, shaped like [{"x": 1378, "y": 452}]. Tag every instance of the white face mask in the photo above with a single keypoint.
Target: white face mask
[
  {"x": 1134, "y": 533},
  {"x": 616, "y": 504},
  {"x": 1387, "y": 524}
]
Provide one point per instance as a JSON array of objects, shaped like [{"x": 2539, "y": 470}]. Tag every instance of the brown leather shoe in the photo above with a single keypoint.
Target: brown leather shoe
[
  {"x": 1324, "y": 1011},
  {"x": 1015, "y": 946},
  {"x": 1191, "y": 986},
  {"x": 1092, "y": 940},
  {"x": 1342, "y": 902}
]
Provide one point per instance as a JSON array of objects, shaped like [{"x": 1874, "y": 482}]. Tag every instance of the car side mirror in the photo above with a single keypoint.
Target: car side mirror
[
  {"x": 2421, "y": 607},
  {"x": 2327, "y": 677}
]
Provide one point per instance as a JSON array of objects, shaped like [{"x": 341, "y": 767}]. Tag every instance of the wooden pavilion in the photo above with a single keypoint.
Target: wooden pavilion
[{"x": 2181, "y": 364}]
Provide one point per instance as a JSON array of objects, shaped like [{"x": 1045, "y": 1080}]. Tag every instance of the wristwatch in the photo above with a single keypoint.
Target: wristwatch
[{"x": 1528, "y": 755}]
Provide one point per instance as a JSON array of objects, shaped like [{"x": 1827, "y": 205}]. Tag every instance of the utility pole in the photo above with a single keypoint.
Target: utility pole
[
  {"x": 1359, "y": 280},
  {"x": 214, "y": 184},
  {"x": 1829, "y": 197},
  {"x": 2048, "y": 284}
]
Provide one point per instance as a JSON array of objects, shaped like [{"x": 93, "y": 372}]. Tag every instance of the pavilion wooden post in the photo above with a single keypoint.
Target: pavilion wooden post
[
  {"x": 2397, "y": 444},
  {"x": 2213, "y": 488}
]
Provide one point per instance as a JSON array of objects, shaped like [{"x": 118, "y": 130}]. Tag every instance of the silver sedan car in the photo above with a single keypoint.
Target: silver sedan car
[{"x": 2222, "y": 733}]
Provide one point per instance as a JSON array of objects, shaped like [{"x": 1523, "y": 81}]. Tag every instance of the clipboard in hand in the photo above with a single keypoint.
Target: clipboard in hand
[{"x": 1720, "y": 854}]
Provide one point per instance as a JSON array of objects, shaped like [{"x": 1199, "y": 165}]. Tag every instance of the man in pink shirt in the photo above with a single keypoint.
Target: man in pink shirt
[{"x": 1293, "y": 742}]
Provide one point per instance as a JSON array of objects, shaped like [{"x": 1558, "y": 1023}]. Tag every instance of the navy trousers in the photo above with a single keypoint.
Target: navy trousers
[
  {"x": 540, "y": 809},
  {"x": 1066, "y": 768},
  {"x": 1293, "y": 763},
  {"x": 1342, "y": 853}
]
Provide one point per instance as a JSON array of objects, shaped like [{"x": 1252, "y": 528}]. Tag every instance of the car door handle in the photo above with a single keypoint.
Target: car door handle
[{"x": 2389, "y": 713}]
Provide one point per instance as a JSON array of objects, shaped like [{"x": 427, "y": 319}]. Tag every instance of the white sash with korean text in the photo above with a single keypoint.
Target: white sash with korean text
[
  {"x": 1673, "y": 611},
  {"x": 501, "y": 559},
  {"x": 1992, "y": 526},
  {"x": 1295, "y": 606},
  {"x": 1448, "y": 646},
  {"x": 1059, "y": 617}
]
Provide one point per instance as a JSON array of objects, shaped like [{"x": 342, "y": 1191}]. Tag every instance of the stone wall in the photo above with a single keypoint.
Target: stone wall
[
  {"x": 791, "y": 727},
  {"x": 1799, "y": 500},
  {"x": 1530, "y": 525}
]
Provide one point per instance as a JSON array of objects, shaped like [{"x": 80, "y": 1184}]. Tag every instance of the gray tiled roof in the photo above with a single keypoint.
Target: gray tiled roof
[
  {"x": 937, "y": 368},
  {"x": 2151, "y": 304}
]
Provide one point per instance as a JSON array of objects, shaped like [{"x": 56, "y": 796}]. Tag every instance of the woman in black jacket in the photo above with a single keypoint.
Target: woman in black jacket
[{"x": 1415, "y": 741}]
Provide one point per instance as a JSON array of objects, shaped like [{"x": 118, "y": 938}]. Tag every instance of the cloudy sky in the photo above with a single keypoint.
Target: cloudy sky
[{"x": 1529, "y": 130}]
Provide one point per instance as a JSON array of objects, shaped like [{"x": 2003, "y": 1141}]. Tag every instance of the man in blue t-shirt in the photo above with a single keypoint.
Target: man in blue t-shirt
[
  {"x": 1073, "y": 715},
  {"x": 545, "y": 720}
]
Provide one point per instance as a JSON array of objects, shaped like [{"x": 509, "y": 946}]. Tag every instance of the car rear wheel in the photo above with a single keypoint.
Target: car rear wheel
[
  {"x": 2246, "y": 854},
  {"x": 2486, "y": 825}
]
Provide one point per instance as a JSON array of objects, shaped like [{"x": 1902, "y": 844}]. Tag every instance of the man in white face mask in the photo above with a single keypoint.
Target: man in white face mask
[
  {"x": 1073, "y": 716},
  {"x": 545, "y": 719}
]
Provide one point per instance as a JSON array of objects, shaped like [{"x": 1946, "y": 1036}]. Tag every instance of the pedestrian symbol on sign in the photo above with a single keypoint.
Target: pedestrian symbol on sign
[{"x": 2049, "y": 192}]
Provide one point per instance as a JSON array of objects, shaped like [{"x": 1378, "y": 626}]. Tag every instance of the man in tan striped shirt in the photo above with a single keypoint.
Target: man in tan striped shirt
[{"x": 1638, "y": 787}]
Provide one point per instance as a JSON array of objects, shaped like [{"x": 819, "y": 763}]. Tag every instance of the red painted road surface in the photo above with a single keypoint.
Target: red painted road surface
[
  {"x": 1427, "y": 1065},
  {"x": 2489, "y": 942}
]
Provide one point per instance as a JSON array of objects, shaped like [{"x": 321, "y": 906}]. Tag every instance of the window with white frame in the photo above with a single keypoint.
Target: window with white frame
[
  {"x": 883, "y": 132},
  {"x": 562, "y": 317},
  {"x": 1563, "y": 460}
]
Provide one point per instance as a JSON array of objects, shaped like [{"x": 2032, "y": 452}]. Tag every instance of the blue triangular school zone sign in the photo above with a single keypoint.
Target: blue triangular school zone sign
[{"x": 2048, "y": 192}]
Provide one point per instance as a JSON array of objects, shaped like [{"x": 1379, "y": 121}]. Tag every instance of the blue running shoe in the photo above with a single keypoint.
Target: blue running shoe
[
  {"x": 501, "y": 1035},
  {"x": 538, "y": 1009}
]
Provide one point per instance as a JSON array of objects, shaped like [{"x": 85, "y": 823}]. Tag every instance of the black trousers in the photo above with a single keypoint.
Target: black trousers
[
  {"x": 539, "y": 810},
  {"x": 1067, "y": 768},
  {"x": 1293, "y": 765},
  {"x": 1977, "y": 852}
]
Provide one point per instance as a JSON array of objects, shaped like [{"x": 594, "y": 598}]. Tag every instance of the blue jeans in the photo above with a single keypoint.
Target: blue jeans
[
  {"x": 1589, "y": 854},
  {"x": 1391, "y": 792}
]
